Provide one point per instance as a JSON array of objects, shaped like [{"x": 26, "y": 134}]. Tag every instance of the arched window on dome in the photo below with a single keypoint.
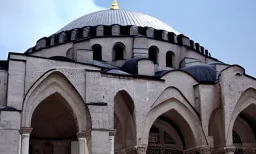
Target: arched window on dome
[
  {"x": 119, "y": 51},
  {"x": 169, "y": 59},
  {"x": 97, "y": 52},
  {"x": 153, "y": 54}
]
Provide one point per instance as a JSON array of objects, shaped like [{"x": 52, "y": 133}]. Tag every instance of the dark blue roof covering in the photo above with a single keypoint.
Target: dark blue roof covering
[
  {"x": 202, "y": 73},
  {"x": 119, "y": 17},
  {"x": 103, "y": 64},
  {"x": 116, "y": 71},
  {"x": 7, "y": 108},
  {"x": 61, "y": 58},
  {"x": 160, "y": 72},
  {"x": 131, "y": 65}
]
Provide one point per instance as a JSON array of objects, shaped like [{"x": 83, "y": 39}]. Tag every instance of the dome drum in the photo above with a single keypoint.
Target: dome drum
[
  {"x": 74, "y": 35},
  {"x": 125, "y": 31},
  {"x": 42, "y": 43},
  {"x": 183, "y": 40},
  {"x": 63, "y": 38}
]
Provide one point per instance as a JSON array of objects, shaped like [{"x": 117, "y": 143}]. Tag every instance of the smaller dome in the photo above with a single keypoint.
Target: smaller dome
[
  {"x": 131, "y": 65},
  {"x": 202, "y": 73}
]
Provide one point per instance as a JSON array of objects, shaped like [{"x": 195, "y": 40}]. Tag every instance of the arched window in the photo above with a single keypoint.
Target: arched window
[
  {"x": 153, "y": 54},
  {"x": 118, "y": 51},
  {"x": 97, "y": 54},
  {"x": 154, "y": 135},
  {"x": 169, "y": 59}
]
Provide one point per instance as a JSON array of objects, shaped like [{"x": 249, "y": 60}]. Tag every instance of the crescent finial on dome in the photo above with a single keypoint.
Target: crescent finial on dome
[{"x": 114, "y": 5}]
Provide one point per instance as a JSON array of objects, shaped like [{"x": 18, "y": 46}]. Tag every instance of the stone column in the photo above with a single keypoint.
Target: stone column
[
  {"x": 25, "y": 134},
  {"x": 82, "y": 141},
  {"x": 112, "y": 141}
]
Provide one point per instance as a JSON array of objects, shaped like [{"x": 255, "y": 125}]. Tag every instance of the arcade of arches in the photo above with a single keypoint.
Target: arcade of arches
[{"x": 173, "y": 127}]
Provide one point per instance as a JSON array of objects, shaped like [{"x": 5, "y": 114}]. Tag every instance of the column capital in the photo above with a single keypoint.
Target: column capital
[
  {"x": 112, "y": 132},
  {"x": 84, "y": 134},
  {"x": 26, "y": 130},
  {"x": 141, "y": 149}
]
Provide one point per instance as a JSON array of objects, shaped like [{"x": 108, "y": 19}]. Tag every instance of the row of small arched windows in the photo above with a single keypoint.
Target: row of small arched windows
[
  {"x": 119, "y": 54},
  {"x": 153, "y": 55}
]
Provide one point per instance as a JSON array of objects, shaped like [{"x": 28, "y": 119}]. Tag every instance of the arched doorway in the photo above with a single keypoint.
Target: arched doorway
[
  {"x": 172, "y": 127},
  {"x": 124, "y": 121},
  {"x": 54, "y": 126},
  {"x": 57, "y": 116},
  {"x": 170, "y": 133},
  {"x": 241, "y": 131},
  {"x": 244, "y": 130}
]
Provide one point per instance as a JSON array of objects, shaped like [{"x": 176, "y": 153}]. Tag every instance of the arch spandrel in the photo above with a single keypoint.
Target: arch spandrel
[
  {"x": 172, "y": 92},
  {"x": 51, "y": 83},
  {"x": 174, "y": 78}
]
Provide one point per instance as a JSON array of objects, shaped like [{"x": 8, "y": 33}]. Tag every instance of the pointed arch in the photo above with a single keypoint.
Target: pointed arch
[
  {"x": 97, "y": 52},
  {"x": 196, "y": 136},
  {"x": 119, "y": 51},
  {"x": 169, "y": 59},
  {"x": 124, "y": 121},
  {"x": 153, "y": 52},
  {"x": 50, "y": 83},
  {"x": 246, "y": 101}
]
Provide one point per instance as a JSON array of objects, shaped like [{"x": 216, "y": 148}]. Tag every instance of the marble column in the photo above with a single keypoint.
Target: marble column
[
  {"x": 112, "y": 141},
  {"x": 25, "y": 134},
  {"x": 82, "y": 141}
]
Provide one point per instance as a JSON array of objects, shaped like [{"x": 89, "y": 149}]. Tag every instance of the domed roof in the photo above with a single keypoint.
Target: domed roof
[
  {"x": 202, "y": 73},
  {"x": 120, "y": 17}
]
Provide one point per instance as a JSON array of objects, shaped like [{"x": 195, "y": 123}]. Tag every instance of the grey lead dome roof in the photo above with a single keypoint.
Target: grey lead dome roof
[{"x": 120, "y": 17}]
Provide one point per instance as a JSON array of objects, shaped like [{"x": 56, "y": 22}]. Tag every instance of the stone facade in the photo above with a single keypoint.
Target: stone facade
[{"x": 58, "y": 99}]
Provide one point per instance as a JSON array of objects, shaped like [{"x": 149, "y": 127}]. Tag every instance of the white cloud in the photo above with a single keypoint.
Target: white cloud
[{"x": 23, "y": 22}]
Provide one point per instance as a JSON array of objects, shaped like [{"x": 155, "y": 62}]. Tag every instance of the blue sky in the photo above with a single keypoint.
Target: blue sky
[{"x": 227, "y": 28}]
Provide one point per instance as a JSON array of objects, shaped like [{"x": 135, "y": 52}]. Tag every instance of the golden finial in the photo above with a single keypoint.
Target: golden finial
[{"x": 114, "y": 5}]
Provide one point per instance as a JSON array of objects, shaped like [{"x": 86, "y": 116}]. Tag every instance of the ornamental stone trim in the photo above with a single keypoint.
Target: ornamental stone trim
[
  {"x": 26, "y": 130},
  {"x": 224, "y": 150},
  {"x": 84, "y": 134},
  {"x": 141, "y": 149},
  {"x": 198, "y": 150},
  {"x": 112, "y": 132}
]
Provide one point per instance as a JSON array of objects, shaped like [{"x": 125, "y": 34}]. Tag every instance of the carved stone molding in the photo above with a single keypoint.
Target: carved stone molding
[
  {"x": 198, "y": 150},
  {"x": 225, "y": 150},
  {"x": 84, "y": 134},
  {"x": 26, "y": 130},
  {"x": 131, "y": 150},
  {"x": 251, "y": 150},
  {"x": 141, "y": 149},
  {"x": 112, "y": 132}
]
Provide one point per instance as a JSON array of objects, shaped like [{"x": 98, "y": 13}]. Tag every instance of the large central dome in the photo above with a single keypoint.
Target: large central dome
[{"x": 120, "y": 17}]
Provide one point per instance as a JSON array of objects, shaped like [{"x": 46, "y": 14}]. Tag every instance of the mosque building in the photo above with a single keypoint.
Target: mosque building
[{"x": 122, "y": 82}]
